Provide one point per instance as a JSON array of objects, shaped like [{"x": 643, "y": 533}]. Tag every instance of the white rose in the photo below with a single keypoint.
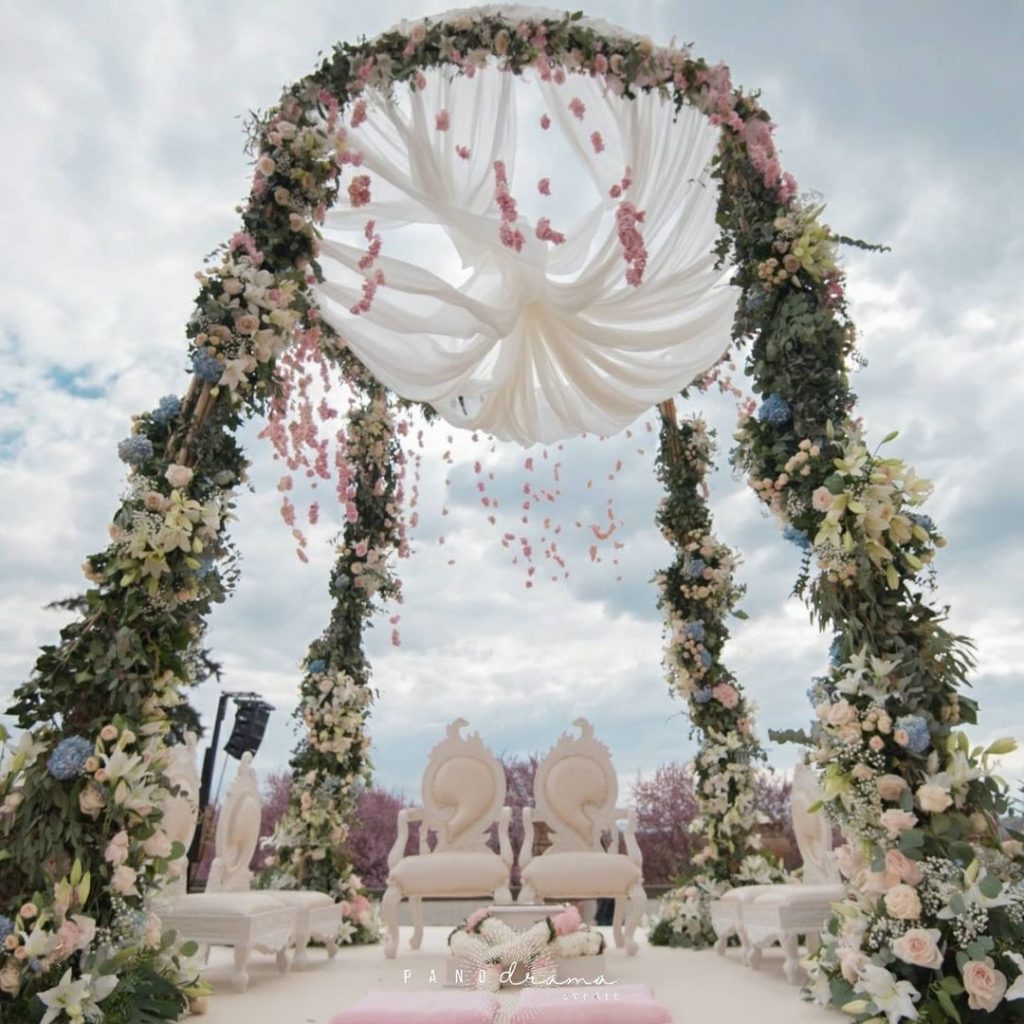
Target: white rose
[
  {"x": 902, "y": 902},
  {"x": 933, "y": 799},
  {"x": 91, "y": 800},
  {"x": 178, "y": 476},
  {"x": 891, "y": 787},
  {"x": 158, "y": 844},
  {"x": 920, "y": 947},
  {"x": 10, "y": 979},
  {"x": 985, "y": 985}
]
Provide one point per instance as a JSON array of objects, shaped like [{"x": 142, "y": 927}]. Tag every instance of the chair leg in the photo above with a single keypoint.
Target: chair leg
[
  {"x": 416, "y": 906},
  {"x": 813, "y": 942},
  {"x": 389, "y": 912},
  {"x": 240, "y": 978},
  {"x": 722, "y": 943},
  {"x": 301, "y": 938},
  {"x": 283, "y": 963},
  {"x": 793, "y": 971},
  {"x": 527, "y": 894},
  {"x": 617, "y": 915},
  {"x": 637, "y": 906},
  {"x": 503, "y": 895},
  {"x": 332, "y": 947}
]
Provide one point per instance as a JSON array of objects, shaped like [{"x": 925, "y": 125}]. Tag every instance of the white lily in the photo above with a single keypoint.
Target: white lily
[
  {"x": 894, "y": 998},
  {"x": 77, "y": 998},
  {"x": 1016, "y": 990}
]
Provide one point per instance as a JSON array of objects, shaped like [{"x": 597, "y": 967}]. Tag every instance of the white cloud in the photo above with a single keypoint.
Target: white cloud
[{"x": 125, "y": 164}]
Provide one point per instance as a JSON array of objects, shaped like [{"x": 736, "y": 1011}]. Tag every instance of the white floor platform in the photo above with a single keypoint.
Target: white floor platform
[{"x": 696, "y": 987}]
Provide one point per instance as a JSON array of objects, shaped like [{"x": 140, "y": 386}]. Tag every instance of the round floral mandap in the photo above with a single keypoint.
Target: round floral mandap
[{"x": 641, "y": 298}]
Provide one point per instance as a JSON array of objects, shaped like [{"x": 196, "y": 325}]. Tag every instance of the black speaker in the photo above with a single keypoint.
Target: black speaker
[{"x": 250, "y": 725}]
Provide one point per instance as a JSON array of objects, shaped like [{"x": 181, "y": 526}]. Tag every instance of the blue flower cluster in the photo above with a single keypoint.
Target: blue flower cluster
[
  {"x": 135, "y": 450},
  {"x": 69, "y": 757},
  {"x": 835, "y": 652},
  {"x": 317, "y": 666},
  {"x": 775, "y": 411},
  {"x": 820, "y": 690},
  {"x": 916, "y": 728},
  {"x": 705, "y": 658},
  {"x": 206, "y": 367},
  {"x": 797, "y": 537},
  {"x": 6, "y": 928},
  {"x": 703, "y": 695},
  {"x": 695, "y": 631},
  {"x": 697, "y": 568},
  {"x": 168, "y": 408},
  {"x": 925, "y": 522}
]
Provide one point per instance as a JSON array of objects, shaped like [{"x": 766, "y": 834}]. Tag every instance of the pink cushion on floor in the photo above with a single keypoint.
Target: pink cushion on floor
[
  {"x": 601, "y": 1004},
  {"x": 421, "y": 1008}
]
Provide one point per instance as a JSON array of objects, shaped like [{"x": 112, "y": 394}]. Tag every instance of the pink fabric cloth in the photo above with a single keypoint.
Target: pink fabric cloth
[
  {"x": 435, "y": 1007},
  {"x": 600, "y": 1004}
]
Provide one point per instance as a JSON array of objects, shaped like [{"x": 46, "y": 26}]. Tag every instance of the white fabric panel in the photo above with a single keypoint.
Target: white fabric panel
[{"x": 552, "y": 341}]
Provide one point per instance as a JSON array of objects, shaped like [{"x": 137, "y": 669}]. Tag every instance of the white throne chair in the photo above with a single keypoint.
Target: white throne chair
[
  {"x": 463, "y": 793},
  {"x": 575, "y": 793},
  {"x": 761, "y": 915},
  {"x": 224, "y": 915}
]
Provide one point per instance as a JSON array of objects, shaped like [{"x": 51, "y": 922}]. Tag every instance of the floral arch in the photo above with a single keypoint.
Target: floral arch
[{"x": 934, "y": 922}]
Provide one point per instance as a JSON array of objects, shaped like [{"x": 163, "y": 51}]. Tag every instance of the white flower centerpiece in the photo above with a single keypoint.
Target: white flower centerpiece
[{"x": 495, "y": 955}]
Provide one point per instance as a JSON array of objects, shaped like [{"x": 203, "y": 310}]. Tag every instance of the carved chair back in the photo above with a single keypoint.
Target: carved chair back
[
  {"x": 813, "y": 829},
  {"x": 238, "y": 832}
]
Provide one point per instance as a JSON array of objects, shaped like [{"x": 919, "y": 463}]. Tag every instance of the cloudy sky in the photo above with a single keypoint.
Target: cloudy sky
[{"x": 122, "y": 167}]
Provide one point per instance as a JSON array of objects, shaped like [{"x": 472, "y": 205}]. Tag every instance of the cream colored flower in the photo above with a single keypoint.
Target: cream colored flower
[
  {"x": 920, "y": 947},
  {"x": 985, "y": 985},
  {"x": 902, "y": 902}
]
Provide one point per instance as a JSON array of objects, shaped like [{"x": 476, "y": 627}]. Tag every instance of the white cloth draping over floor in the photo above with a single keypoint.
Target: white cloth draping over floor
[{"x": 551, "y": 341}]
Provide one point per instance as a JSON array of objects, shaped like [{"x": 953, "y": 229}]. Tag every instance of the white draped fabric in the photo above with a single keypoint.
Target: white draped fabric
[{"x": 550, "y": 341}]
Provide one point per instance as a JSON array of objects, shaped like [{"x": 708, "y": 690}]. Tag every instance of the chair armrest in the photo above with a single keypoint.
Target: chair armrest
[
  {"x": 632, "y": 846},
  {"x": 405, "y": 815},
  {"x": 504, "y": 843},
  {"x": 526, "y": 850}
]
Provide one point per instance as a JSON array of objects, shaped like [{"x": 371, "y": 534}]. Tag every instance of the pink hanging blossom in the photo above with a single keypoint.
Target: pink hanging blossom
[
  {"x": 359, "y": 190},
  {"x": 370, "y": 286},
  {"x": 577, "y": 107},
  {"x": 511, "y": 237},
  {"x": 547, "y": 234},
  {"x": 597, "y": 141},
  {"x": 463, "y": 152},
  {"x": 442, "y": 121},
  {"x": 544, "y": 186},
  {"x": 358, "y": 113},
  {"x": 634, "y": 252},
  {"x": 545, "y": 122}
]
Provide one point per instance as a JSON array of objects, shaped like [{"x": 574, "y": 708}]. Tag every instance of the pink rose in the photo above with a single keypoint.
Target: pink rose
[
  {"x": 726, "y": 695},
  {"x": 821, "y": 499},
  {"x": 902, "y": 902},
  {"x": 985, "y": 985},
  {"x": 905, "y": 869},
  {"x": 850, "y": 862},
  {"x": 876, "y": 743},
  {"x": 841, "y": 713},
  {"x": 891, "y": 787},
  {"x": 178, "y": 476},
  {"x": 28, "y": 911},
  {"x": 247, "y": 324},
  {"x": 117, "y": 849},
  {"x": 158, "y": 845},
  {"x": 567, "y": 921},
  {"x": 920, "y": 947},
  {"x": 933, "y": 799},
  {"x": 123, "y": 880},
  {"x": 895, "y": 821}
]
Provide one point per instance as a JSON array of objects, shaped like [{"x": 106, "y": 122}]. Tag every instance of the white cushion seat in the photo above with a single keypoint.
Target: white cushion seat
[
  {"x": 800, "y": 895},
  {"x": 575, "y": 875},
  {"x": 744, "y": 893},
  {"x": 228, "y": 904},
  {"x": 449, "y": 873},
  {"x": 304, "y": 899}
]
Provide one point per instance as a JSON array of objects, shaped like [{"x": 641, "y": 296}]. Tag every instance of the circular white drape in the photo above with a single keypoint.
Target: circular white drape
[{"x": 550, "y": 341}]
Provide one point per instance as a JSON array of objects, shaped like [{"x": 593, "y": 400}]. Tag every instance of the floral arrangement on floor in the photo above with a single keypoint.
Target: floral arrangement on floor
[
  {"x": 256, "y": 342},
  {"x": 684, "y": 914},
  {"x": 500, "y": 952},
  {"x": 697, "y": 593}
]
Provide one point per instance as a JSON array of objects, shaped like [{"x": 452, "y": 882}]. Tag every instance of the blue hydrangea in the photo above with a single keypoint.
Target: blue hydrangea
[
  {"x": 317, "y": 666},
  {"x": 697, "y": 568},
  {"x": 821, "y": 689},
  {"x": 206, "y": 367},
  {"x": 775, "y": 411},
  {"x": 167, "y": 409},
  {"x": 797, "y": 537},
  {"x": 135, "y": 450},
  {"x": 835, "y": 652},
  {"x": 925, "y": 522},
  {"x": 6, "y": 928},
  {"x": 754, "y": 301},
  {"x": 695, "y": 631},
  {"x": 705, "y": 658},
  {"x": 918, "y": 735},
  {"x": 703, "y": 695},
  {"x": 69, "y": 757},
  {"x": 206, "y": 565}
]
